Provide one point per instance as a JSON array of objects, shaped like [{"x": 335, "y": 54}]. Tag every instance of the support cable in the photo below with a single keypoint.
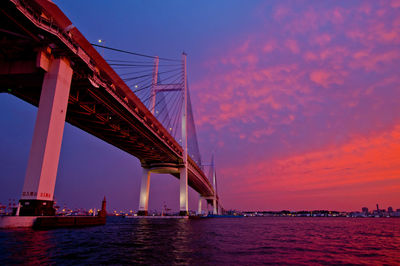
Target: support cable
[
  {"x": 132, "y": 53},
  {"x": 178, "y": 116}
]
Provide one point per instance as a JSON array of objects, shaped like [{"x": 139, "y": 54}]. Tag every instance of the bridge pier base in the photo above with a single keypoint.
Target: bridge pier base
[
  {"x": 183, "y": 192},
  {"x": 199, "y": 209},
  {"x": 40, "y": 179},
  {"x": 215, "y": 210},
  {"x": 144, "y": 193}
]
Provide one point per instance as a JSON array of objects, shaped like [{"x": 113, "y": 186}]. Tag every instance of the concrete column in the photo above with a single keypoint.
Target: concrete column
[
  {"x": 215, "y": 210},
  {"x": 144, "y": 193},
  {"x": 183, "y": 192},
  {"x": 38, "y": 191},
  {"x": 199, "y": 210}
]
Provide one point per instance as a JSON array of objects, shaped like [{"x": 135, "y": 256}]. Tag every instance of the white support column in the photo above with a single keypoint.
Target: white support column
[
  {"x": 183, "y": 195},
  {"x": 40, "y": 179},
  {"x": 199, "y": 210},
  {"x": 183, "y": 192},
  {"x": 144, "y": 193},
  {"x": 153, "y": 86},
  {"x": 214, "y": 177}
]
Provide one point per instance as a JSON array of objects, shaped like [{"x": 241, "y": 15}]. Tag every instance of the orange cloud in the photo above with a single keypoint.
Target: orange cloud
[{"x": 363, "y": 165}]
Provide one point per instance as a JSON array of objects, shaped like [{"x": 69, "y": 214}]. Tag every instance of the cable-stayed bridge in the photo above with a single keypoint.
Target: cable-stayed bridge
[{"x": 138, "y": 103}]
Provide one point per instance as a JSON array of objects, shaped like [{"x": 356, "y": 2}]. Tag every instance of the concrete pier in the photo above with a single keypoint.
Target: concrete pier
[{"x": 38, "y": 191}]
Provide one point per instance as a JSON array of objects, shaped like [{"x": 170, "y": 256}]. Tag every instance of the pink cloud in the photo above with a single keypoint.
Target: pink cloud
[
  {"x": 374, "y": 62},
  {"x": 322, "y": 39},
  {"x": 395, "y": 3},
  {"x": 269, "y": 47},
  {"x": 338, "y": 15},
  {"x": 287, "y": 140},
  {"x": 310, "y": 56},
  {"x": 325, "y": 78},
  {"x": 292, "y": 46},
  {"x": 262, "y": 133},
  {"x": 365, "y": 8},
  {"x": 281, "y": 12}
]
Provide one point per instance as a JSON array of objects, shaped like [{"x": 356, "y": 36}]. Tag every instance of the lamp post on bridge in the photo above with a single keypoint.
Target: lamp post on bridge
[{"x": 101, "y": 42}]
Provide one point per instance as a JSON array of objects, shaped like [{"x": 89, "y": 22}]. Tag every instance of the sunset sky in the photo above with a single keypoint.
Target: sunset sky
[{"x": 299, "y": 100}]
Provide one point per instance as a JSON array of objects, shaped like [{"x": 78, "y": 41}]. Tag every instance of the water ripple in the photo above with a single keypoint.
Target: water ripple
[{"x": 246, "y": 241}]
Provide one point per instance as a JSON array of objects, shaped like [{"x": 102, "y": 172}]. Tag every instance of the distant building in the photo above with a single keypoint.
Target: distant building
[
  {"x": 365, "y": 210},
  {"x": 390, "y": 210}
]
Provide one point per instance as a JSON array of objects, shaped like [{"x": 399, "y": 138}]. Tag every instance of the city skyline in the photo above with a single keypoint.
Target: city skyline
[{"x": 298, "y": 100}]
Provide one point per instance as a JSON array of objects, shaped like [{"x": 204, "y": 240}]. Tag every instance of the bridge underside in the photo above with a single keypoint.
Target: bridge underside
[
  {"x": 98, "y": 101},
  {"x": 94, "y": 113}
]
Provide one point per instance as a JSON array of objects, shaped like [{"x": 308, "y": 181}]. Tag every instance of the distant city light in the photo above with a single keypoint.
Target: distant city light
[{"x": 136, "y": 86}]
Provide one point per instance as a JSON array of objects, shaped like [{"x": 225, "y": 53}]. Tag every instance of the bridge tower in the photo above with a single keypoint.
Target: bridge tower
[
  {"x": 183, "y": 181},
  {"x": 182, "y": 170},
  {"x": 214, "y": 199}
]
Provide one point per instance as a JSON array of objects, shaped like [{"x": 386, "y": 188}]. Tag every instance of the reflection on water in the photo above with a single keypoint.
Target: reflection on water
[
  {"x": 209, "y": 241},
  {"x": 171, "y": 240},
  {"x": 27, "y": 246}
]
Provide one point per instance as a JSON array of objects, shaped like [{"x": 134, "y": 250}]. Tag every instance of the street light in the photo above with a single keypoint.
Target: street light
[{"x": 101, "y": 42}]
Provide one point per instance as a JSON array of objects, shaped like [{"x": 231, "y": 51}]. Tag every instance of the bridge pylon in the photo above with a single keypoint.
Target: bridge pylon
[
  {"x": 183, "y": 191},
  {"x": 214, "y": 179},
  {"x": 182, "y": 169},
  {"x": 211, "y": 199}
]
